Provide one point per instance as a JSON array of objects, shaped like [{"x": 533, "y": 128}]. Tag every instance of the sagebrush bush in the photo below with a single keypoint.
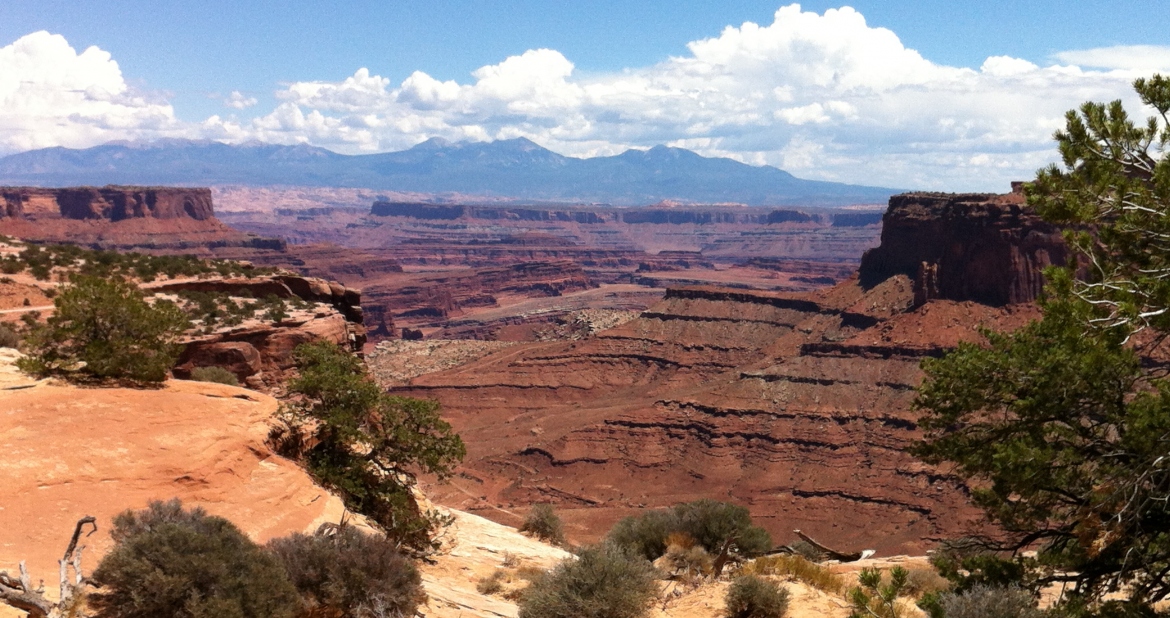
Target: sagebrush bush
[
  {"x": 690, "y": 563},
  {"x": 990, "y": 602},
  {"x": 754, "y": 597},
  {"x": 348, "y": 573},
  {"x": 9, "y": 338},
  {"x": 178, "y": 563},
  {"x": 543, "y": 523},
  {"x": 920, "y": 581},
  {"x": 219, "y": 375},
  {"x": 603, "y": 581},
  {"x": 709, "y": 522}
]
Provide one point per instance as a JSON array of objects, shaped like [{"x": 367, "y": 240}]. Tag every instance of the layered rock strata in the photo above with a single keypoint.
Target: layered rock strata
[
  {"x": 987, "y": 248},
  {"x": 258, "y": 352},
  {"x": 116, "y": 217},
  {"x": 796, "y": 405}
]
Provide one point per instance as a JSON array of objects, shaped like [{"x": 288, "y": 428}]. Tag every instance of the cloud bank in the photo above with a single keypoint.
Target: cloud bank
[{"x": 823, "y": 96}]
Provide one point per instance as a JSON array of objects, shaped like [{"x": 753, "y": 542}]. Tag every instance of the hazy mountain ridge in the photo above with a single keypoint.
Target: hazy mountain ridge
[{"x": 515, "y": 168}]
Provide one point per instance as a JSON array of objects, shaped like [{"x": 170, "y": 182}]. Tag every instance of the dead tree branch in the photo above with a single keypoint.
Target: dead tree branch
[
  {"x": 20, "y": 594},
  {"x": 833, "y": 554}
]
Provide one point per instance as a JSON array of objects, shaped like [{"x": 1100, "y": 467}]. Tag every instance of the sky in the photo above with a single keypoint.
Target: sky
[{"x": 939, "y": 94}]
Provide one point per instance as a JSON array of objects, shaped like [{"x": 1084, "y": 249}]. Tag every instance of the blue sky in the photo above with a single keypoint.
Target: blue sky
[{"x": 803, "y": 92}]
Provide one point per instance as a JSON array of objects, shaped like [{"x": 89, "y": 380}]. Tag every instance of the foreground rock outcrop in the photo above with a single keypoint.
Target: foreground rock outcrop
[{"x": 71, "y": 452}]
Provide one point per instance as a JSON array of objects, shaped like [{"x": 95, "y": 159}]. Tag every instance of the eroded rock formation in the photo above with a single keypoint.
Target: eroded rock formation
[
  {"x": 796, "y": 405},
  {"x": 115, "y": 217},
  {"x": 258, "y": 352},
  {"x": 987, "y": 248}
]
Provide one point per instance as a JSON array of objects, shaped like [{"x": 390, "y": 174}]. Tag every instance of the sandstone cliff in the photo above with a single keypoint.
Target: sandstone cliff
[
  {"x": 259, "y": 352},
  {"x": 115, "y": 217},
  {"x": 987, "y": 248}
]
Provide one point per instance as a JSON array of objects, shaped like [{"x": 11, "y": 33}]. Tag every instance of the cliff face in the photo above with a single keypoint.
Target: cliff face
[
  {"x": 156, "y": 219},
  {"x": 258, "y": 352},
  {"x": 987, "y": 248},
  {"x": 111, "y": 203}
]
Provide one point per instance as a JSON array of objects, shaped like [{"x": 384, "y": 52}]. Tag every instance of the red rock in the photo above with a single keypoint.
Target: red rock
[
  {"x": 240, "y": 358},
  {"x": 986, "y": 248}
]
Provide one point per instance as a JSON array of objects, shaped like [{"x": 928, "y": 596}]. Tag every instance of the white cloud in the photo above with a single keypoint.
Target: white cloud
[
  {"x": 822, "y": 95},
  {"x": 1126, "y": 57},
  {"x": 52, "y": 96},
  {"x": 237, "y": 100}
]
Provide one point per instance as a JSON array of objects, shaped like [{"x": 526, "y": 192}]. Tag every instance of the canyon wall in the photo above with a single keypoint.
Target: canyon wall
[
  {"x": 991, "y": 249},
  {"x": 124, "y": 218},
  {"x": 797, "y": 405},
  {"x": 113, "y": 203}
]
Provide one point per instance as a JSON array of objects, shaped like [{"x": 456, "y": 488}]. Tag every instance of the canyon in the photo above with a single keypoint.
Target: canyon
[
  {"x": 756, "y": 366},
  {"x": 460, "y": 270},
  {"x": 798, "y": 405}
]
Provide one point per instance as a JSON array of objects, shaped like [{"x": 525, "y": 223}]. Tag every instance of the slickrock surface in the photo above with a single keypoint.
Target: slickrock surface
[
  {"x": 71, "y": 452},
  {"x": 478, "y": 547}
]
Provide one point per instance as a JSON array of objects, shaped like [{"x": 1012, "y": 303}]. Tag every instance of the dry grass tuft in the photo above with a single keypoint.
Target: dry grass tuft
[{"x": 799, "y": 569}]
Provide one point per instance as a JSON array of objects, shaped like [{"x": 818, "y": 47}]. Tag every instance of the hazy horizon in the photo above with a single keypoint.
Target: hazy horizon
[{"x": 885, "y": 94}]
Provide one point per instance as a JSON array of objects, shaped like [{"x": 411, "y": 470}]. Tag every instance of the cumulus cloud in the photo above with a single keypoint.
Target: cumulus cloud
[
  {"x": 50, "y": 95},
  {"x": 822, "y": 95},
  {"x": 238, "y": 100}
]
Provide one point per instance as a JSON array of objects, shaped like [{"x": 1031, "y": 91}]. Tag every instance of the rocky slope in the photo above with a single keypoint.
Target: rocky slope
[
  {"x": 797, "y": 405},
  {"x": 259, "y": 351}
]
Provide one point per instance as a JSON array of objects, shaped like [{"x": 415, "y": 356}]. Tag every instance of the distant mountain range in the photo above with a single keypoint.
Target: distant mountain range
[{"x": 517, "y": 168}]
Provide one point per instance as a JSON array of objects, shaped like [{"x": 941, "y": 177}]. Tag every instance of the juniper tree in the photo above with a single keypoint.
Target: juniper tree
[{"x": 1063, "y": 427}]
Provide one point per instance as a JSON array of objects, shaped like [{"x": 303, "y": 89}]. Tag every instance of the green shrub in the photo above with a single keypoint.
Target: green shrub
[
  {"x": 348, "y": 573},
  {"x": 170, "y": 562},
  {"x": 754, "y": 597},
  {"x": 989, "y": 602},
  {"x": 9, "y": 338},
  {"x": 603, "y": 581},
  {"x": 218, "y": 375},
  {"x": 108, "y": 325},
  {"x": 645, "y": 534},
  {"x": 543, "y": 523},
  {"x": 709, "y": 522}
]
